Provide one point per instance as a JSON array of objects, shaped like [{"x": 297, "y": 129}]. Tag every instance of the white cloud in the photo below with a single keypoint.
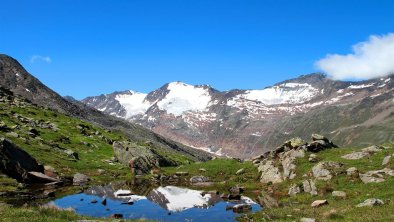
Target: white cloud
[
  {"x": 370, "y": 59},
  {"x": 35, "y": 58}
]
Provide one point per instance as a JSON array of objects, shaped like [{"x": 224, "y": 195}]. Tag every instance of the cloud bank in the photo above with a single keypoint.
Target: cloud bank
[
  {"x": 36, "y": 58},
  {"x": 370, "y": 59}
]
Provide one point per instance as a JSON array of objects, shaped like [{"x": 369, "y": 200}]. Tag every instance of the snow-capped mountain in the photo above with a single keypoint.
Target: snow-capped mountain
[{"x": 244, "y": 122}]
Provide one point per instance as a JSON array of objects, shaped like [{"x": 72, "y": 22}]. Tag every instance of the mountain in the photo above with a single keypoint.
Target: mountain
[
  {"x": 243, "y": 123},
  {"x": 16, "y": 79}
]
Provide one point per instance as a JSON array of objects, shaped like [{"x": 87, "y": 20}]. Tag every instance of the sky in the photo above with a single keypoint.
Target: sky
[{"x": 90, "y": 47}]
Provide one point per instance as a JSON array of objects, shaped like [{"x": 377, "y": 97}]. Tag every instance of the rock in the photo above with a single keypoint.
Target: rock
[
  {"x": 49, "y": 193},
  {"x": 34, "y": 131},
  {"x": 40, "y": 177},
  {"x": 236, "y": 190},
  {"x": 294, "y": 190},
  {"x": 319, "y": 143},
  {"x": 316, "y": 136},
  {"x": 240, "y": 171},
  {"x": 267, "y": 201},
  {"x": 203, "y": 170},
  {"x": 269, "y": 173},
  {"x": 338, "y": 193},
  {"x": 199, "y": 179},
  {"x": 370, "y": 203},
  {"x": 203, "y": 184},
  {"x": 140, "y": 159},
  {"x": 356, "y": 155},
  {"x": 318, "y": 203},
  {"x": 80, "y": 179},
  {"x": 93, "y": 201},
  {"x": 309, "y": 187},
  {"x": 50, "y": 171},
  {"x": 12, "y": 134},
  {"x": 352, "y": 171},
  {"x": 100, "y": 171},
  {"x": 372, "y": 149},
  {"x": 242, "y": 208},
  {"x": 295, "y": 142},
  {"x": 376, "y": 176},
  {"x": 288, "y": 162},
  {"x": 180, "y": 173},
  {"x": 16, "y": 163},
  {"x": 104, "y": 201},
  {"x": 306, "y": 219},
  {"x": 71, "y": 154},
  {"x": 312, "y": 158},
  {"x": 386, "y": 160},
  {"x": 324, "y": 170},
  {"x": 116, "y": 216}
]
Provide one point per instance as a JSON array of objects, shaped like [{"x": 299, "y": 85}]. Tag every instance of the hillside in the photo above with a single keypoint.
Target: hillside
[
  {"x": 16, "y": 79},
  {"x": 244, "y": 123}
]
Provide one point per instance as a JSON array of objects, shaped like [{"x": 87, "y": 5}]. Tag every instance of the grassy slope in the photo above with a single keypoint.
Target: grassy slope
[{"x": 294, "y": 208}]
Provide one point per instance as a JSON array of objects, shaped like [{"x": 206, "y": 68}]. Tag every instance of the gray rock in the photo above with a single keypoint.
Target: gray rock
[
  {"x": 318, "y": 203},
  {"x": 309, "y": 187},
  {"x": 80, "y": 179},
  {"x": 199, "y": 179},
  {"x": 294, "y": 190},
  {"x": 305, "y": 219},
  {"x": 324, "y": 170},
  {"x": 269, "y": 173},
  {"x": 372, "y": 149},
  {"x": 181, "y": 173},
  {"x": 312, "y": 158},
  {"x": 356, "y": 155},
  {"x": 242, "y": 208},
  {"x": 40, "y": 177},
  {"x": 376, "y": 176},
  {"x": 268, "y": 201},
  {"x": 288, "y": 162},
  {"x": 370, "y": 203},
  {"x": 240, "y": 171},
  {"x": 338, "y": 193},
  {"x": 316, "y": 136},
  {"x": 12, "y": 134},
  {"x": 72, "y": 154},
  {"x": 386, "y": 160},
  {"x": 352, "y": 171}
]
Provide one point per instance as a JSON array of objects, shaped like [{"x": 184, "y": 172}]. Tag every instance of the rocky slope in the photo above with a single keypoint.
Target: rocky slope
[
  {"x": 16, "y": 79},
  {"x": 243, "y": 123}
]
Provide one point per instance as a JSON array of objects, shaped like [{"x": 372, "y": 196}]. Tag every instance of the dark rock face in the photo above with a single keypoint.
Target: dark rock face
[
  {"x": 140, "y": 159},
  {"x": 17, "y": 163}
]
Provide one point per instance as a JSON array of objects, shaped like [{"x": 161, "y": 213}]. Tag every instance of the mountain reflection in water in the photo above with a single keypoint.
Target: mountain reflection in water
[{"x": 169, "y": 203}]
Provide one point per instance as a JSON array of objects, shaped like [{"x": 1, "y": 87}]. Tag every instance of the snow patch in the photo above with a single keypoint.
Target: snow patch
[
  {"x": 133, "y": 103},
  {"x": 183, "y": 97},
  {"x": 360, "y": 86}
]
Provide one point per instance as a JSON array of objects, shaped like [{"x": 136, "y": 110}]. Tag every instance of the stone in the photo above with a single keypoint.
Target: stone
[
  {"x": 356, "y": 155},
  {"x": 352, "y": 171},
  {"x": 181, "y": 173},
  {"x": 386, "y": 160},
  {"x": 93, "y": 201},
  {"x": 100, "y": 171},
  {"x": 242, "y": 208},
  {"x": 240, "y": 171},
  {"x": 269, "y": 173},
  {"x": 295, "y": 142},
  {"x": 80, "y": 179},
  {"x": 288, "y": 162},
  {"x": 42, "y": 178},
  {"x": 12, "y": 134},
  {"x": 267, "y": 201},
  {"x": 309, "y": 187},
  {"x": 370, "y": 203},
  {"x": 318, "y": 203},
  {"x": 72, "y": 154},
  {"x": 376, "y": 176},
  {"x": 324, "y": 170},
  {"x": 372, "y": 149},
  {"x": 116, "y": 216},
  {"x": 16, "y": 163},
  {"x": 199, "y": 179},
  {"x": 306, "y": 219},
  {"x": 337, "y": 193},
  {"x": 104, "y": 201},
  {"x": 236, "y": 190},
  {"x": 294, "y": 190},
  {"x": 49, "y": 193},
  {"x": 316, "y": 136},
  {"x": 203, "y": 170},
  {"x": 313, "y": 158}
]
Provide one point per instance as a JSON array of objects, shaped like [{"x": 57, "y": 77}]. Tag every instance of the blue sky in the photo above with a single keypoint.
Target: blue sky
[{"x": 92, "y": 47}]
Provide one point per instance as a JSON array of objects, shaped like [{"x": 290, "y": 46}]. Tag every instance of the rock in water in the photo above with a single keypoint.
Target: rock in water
[
  {"x": 16, "y": 163},
  {"x": 370, "y": 203}
]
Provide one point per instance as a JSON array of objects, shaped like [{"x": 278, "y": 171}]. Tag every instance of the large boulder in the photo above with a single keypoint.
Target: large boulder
[
  {"x": 17, "y": 163},
  {"x": 269, "y": 172},
  {"x": 326, "y": 170},
  {"x": 140, "y": 159}
]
